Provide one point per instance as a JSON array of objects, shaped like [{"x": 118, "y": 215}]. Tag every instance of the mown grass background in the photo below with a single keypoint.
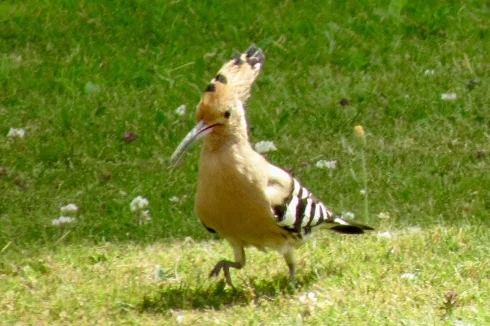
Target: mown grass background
[{"x": 77, "y": 75}]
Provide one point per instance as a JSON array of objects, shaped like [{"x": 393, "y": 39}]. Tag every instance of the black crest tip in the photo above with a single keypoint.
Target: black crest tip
[
  {"x": 220, "y": 78},
  {"x": 210, "y": 88},
  {"x": 252, "y": 49}
]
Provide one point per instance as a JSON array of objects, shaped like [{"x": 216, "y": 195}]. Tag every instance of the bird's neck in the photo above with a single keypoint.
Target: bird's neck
[
  {"x": 228, "y": 161},
  {"x": 229, "y": 140}
]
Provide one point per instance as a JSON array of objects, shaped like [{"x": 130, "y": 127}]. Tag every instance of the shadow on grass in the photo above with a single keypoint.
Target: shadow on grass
[{"x": 218, "y": 296}]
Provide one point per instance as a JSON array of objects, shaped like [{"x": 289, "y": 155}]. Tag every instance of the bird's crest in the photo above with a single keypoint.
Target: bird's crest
[
  {"x": 220, "y": 110},
  {"x": 233, "y": 81}
]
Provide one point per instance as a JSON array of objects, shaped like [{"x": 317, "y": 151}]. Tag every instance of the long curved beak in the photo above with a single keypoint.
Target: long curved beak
[{"x": 197, "y": 132}]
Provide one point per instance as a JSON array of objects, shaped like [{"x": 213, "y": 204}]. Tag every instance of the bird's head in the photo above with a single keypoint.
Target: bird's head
[{"x": 220, "y": 110}]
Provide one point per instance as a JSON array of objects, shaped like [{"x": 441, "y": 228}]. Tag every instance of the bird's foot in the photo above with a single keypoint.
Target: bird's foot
[{"x": 225, "y": 265}]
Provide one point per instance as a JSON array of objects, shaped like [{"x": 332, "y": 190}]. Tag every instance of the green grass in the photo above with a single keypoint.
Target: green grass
[{"x": 76, "y": 75}]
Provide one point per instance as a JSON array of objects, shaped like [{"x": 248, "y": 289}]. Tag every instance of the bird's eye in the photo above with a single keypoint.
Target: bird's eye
[{"x": 227, "y": 114}]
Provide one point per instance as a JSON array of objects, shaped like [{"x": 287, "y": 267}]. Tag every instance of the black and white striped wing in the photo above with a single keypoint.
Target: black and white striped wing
[{"x": 301, "y": 211}]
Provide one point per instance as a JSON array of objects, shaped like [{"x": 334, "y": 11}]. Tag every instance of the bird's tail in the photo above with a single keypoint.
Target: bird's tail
[{"x": 344, "y": 226}]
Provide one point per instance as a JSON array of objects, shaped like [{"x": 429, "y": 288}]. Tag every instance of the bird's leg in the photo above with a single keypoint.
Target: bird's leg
[
  {"x": 225, "y": 265},
  {"x": 290, "y": 261}
]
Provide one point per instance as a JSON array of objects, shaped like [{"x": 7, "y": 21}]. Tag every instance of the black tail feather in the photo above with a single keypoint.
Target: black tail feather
[
  {"x": 351, "y": 228},
  {"x": 347, "y": 229}
]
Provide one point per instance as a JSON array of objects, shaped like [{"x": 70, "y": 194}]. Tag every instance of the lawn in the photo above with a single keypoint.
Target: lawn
[{"x": 95, "y": 87}]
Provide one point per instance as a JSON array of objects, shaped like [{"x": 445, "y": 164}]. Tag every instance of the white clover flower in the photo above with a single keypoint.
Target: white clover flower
[
  {"x": 407, "y": 276},
  {"x": 139, "y": 203},
  {"x": 429, "y": 72},
  {"x": 310, "y": 296},
  {"x": 384, "y": 216},
  {"x": 69, "y": 210},
  {"x": 348, "y": 215},
  {"x": 385, "y": 234},
  {"x": 174, "y": 199},
  {"x": 459, "y": 322},
  {"x": 145, "y": 216},
  {"x": 63, "y": 220},
  {"x": 179, "y": 319},
  {"x": 66, "y": 219},
  {"x": 302, "y": 298},
  {"x": 449, "y": 96},
  {"x": 324, "y": 164},
  {"x": 299, "y": 319},
  {"x": 158, "y": 272},
  {"x": 362, "y": 192},
  {"x": 265, "y": 146},
  {"x": 414, "y": 229},
  {"x": 16, "y": 133},
  {"x": 180, "y": 110}
]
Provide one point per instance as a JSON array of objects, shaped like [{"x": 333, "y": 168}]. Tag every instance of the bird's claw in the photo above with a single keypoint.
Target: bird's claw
[{"x": 225, "y": 266}]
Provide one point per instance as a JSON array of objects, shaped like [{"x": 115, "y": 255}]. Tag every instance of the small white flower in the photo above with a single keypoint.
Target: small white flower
[
  {"x": 158, "y": 272},
  {"x": 429, "y": 72},
  {"x": 312, "y": 296},
  {"x": 139, "y": 203},
  {"x": 384, "y": 216},
  {"x": 174, "y": 199},
  {"x": 348, "y": 215},
  {"x": 69, "y": 209},
  {"x": 302, "y": 298},
  {"x": 180, "y": 110},
  {"x": 145, "y": 216},
  {"x": 62, "y": 220},
  {"x": 299, "y": 319},
  {"x": 407, "y": 276},
  {"x": 385, "y": 234},
  {"x": 179, "y": 319},
  {"x": 16, "y": 133},
  {"x": 324, "y": 164},
  {"x": 459, "y": 322},
  {"x": 66, "y": 219},
  {"x": 265, "y": 146},
  {"x": 449, "y": 96},
  {"x": 362, "y": 192},
  {"x": 414, "y": 229}
]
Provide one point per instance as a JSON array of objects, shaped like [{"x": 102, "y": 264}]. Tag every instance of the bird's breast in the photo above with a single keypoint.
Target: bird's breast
[{"x": 231, "y": 199}]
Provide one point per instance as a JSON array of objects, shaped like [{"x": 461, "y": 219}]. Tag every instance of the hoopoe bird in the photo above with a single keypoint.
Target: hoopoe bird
[{"x": 240, "y": 195}]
